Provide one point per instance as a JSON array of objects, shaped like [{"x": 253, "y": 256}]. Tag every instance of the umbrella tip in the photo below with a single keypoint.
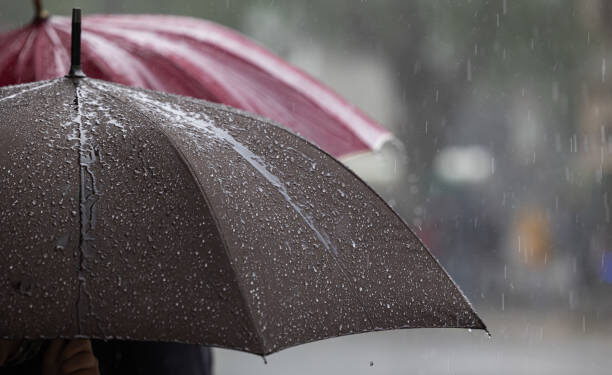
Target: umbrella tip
[
  {"x": 75, "y": 46},
  {"x": 40, "y": 14}
]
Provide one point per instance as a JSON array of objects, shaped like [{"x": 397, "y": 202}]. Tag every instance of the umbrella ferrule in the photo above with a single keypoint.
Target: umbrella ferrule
[
  {"x": 40, "y": 14},
  {"x": 75, "y": 46}
]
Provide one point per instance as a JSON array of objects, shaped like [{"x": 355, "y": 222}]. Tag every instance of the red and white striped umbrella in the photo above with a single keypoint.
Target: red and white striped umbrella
[{"x": 195, "y": 58}]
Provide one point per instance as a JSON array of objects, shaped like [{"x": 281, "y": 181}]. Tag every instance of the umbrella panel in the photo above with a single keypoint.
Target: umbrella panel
[{"x": 202, "y": 224}]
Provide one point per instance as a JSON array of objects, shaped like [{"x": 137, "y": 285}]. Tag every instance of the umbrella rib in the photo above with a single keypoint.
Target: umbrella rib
[
  {"x": 58, "y": 49},
  {"x": 88, "y": 197},
  {"x": 259, "y": 57},
  {"x": 254, "y": 160},
  {"x": 11, "y": 49},
  {"x": 375, "y": 194},
  {"x": 371, "y": 134},
  {"x": 259, "y": 337},
  {"x": 186, "y": 162},
  {"x": 36, "y": 87},
  {"x": 150, "y": 51},
  {"x": 151, "y": 103},
  {"x": 282, "y": 189},
  {"x": 23, "y": 54}
]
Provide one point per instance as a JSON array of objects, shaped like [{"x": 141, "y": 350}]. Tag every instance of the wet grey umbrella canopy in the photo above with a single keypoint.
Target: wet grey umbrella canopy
[{"x": 134, "y": 214}]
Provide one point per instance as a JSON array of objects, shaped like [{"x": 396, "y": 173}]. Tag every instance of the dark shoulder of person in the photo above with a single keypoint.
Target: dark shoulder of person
[
  {"x": 33, "y": 366},
  {"x": 28, "y": 361},
  {"x": 151, "y": 358}
]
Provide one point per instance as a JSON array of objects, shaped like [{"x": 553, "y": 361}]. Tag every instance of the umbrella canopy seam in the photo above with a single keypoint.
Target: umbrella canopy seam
[
  {"x": 104, "y": 33},
  {"x": 322, "y": 236},
  {"x": 267, "y": 61},
  {"x": 285, "y": 129},
  {"x": 89, "y": 194},
  {"x": 225, "y": 107},
  {"x": 94, "y": 42},
  {"x": 230, "y": 67},
  {"x": 260, "y": 338},
  {"x": 261, "y": 67},
  {"x": 11, "y": 49},
  {"x": 177, "y": 179},
  {"x": 59, "y": 53},
  {"x": 36, "y": 86}
]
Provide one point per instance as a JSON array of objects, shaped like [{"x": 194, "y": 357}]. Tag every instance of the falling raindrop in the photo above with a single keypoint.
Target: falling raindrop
[
  {"x": 469, "y": 70},
  {"x": 606, "y": 206}
]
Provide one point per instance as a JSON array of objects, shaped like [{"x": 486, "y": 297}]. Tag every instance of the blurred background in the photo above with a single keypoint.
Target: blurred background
[{"x": 504, "y": 109}]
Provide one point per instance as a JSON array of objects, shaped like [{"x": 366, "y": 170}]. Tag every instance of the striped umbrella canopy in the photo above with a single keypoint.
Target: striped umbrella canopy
[{"x": 195, "y": 58}]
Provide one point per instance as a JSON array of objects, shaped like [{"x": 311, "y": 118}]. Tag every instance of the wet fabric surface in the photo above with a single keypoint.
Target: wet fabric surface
[{"x": 132, "y": 214}]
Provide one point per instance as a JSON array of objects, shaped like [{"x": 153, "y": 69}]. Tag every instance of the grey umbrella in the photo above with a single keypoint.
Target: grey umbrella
[{"x": 135, "y": 214}]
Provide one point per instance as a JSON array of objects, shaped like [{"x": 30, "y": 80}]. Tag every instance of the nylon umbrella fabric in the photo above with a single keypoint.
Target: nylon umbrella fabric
[
  {"x": 195, "y": 58},
  {"x": 134, "y": 214}
]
